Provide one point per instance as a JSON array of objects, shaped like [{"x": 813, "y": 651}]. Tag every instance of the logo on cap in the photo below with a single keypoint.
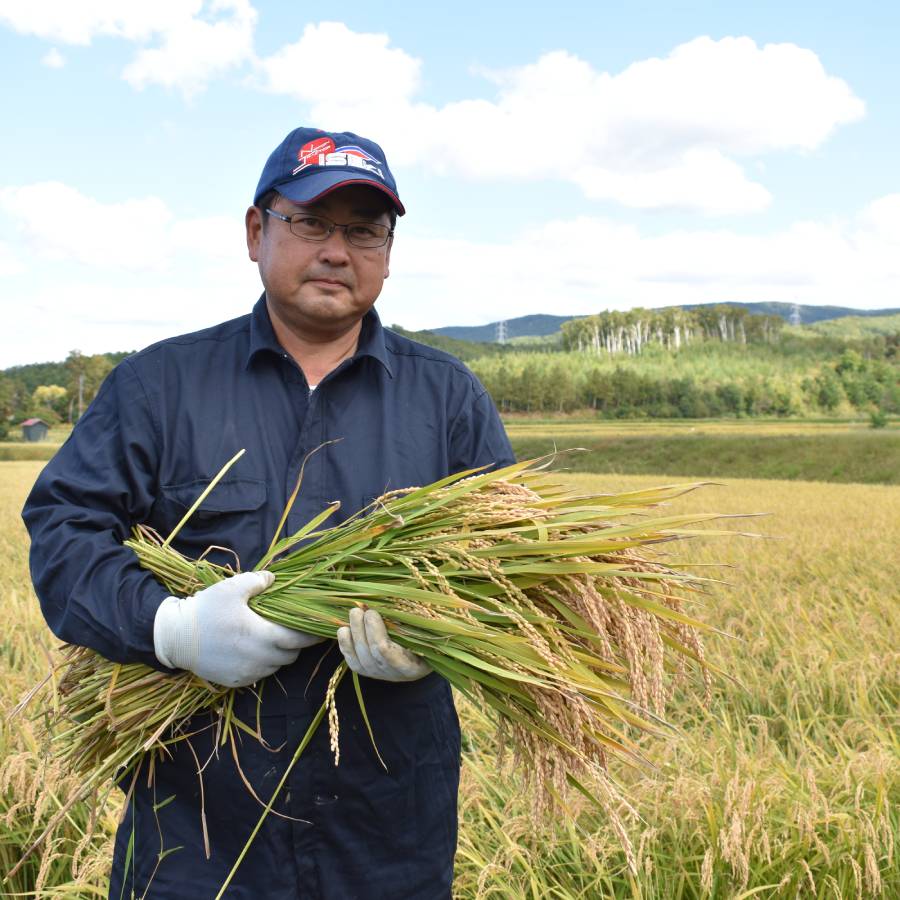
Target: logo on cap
[
  {"x": 311, "y": 149},
  {"x": 322, "y": 152}
]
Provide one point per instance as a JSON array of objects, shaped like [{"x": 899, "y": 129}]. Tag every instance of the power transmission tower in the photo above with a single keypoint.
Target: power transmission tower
[
  {"x": 795, "y": 318},
  {"x": 501, "y": 332}
]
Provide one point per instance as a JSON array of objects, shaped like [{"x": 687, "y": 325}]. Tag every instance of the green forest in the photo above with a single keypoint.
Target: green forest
[
  {"x": 710, "y": 362},
  {"x": 53, "y": 391}
]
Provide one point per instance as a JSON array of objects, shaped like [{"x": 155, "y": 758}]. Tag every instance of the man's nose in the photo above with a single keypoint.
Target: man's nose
[{"x": 334, "y": 247}]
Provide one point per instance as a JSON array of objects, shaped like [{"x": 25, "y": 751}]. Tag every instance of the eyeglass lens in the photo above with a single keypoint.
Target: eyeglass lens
[{"x": 361, "y": 234}]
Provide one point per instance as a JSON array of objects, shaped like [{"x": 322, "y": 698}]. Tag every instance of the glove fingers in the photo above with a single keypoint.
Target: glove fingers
[
  {"x": 391, "y": 657},
  {"x": 345, "y": 642},
  {"x": 249, "y": 584},
  {"x": 380, "y": 646},
  {"x": 367, "y": 662}
]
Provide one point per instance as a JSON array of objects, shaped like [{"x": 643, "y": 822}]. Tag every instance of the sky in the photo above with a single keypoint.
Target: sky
[{"x": 561, "y": 158}]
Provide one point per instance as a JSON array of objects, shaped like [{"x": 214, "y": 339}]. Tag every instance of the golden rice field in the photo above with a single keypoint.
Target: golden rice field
[{"x": 787, "y": 785}]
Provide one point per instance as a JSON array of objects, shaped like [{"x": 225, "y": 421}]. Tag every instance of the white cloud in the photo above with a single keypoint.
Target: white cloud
[
  {"x": 197, "y": 39},
  {"x": 100, "y": 276},
  {"x": 701, "y": 179},
  {"x": 194, "y": 50},
  {"x": 81, "y": 290},
  {"x": 662, "y": 133},
  {"x": 53, "y": 59},
  {"x": 589, "y": 264},
  {"x": 333, "y": 66},
  {"x": 45, "y": 321},
  {"x": 58, "y": 222},
  {"x": 881, "y": 219},
  {"x": 79, "y": 23},
  {"x": 10, "y": 264}
]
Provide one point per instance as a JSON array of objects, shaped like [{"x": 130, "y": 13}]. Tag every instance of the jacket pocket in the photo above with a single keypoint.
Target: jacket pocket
[
  {"x": 231, "y": 518},
  {"x": 228, "y": 496}
]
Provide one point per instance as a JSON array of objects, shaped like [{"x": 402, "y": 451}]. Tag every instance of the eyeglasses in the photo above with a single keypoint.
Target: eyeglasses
[{"x": 318, "y": 228}]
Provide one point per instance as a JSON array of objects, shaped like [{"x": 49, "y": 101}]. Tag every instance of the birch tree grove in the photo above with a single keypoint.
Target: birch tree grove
[{"x": 673, "y": 328}]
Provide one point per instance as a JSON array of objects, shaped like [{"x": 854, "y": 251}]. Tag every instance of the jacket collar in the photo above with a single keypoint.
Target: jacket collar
[{"x": 262, "y": 337}]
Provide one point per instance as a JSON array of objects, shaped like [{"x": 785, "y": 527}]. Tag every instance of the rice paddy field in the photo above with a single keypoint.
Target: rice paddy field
[{"x": 787, "y": 784}]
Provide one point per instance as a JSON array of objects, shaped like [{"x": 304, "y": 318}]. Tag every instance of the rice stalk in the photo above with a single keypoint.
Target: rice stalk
[{"x": 551, "y": 611}]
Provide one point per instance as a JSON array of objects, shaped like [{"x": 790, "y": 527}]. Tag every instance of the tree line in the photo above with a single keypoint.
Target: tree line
[
  {"x": 848, "y": 384},
  {"x": 55, "y": 391},
  {"x": 632, "y": 330}
]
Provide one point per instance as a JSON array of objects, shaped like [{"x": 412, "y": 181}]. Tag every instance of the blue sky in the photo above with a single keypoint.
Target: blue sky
[{"x": 563, "y": 158}]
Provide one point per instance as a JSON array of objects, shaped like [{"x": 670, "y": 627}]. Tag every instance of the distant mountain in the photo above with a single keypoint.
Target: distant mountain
[
  {"x": 544, "y": 325},
  {"x": 523, "y": 326},
  {"x": 808, "y": 314}
]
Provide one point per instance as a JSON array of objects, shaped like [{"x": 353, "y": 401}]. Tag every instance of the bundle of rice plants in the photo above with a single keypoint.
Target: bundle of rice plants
[{"x": 545, "y": 608}]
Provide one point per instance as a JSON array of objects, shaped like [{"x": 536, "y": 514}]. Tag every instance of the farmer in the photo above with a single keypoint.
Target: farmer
[{"x": 310, "y": 364}]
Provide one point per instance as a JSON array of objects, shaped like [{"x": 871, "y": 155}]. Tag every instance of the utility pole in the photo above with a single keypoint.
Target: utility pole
[{"x": 501, "y": 332}]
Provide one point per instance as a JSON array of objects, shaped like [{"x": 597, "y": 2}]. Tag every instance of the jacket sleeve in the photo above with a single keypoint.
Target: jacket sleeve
[
  {"x": 478, "y": 437},
  {"x": 99, "y": 484}
]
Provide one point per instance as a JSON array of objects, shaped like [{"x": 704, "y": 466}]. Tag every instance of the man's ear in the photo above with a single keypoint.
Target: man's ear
[
  {"x": 387, "y": 256},
  {"x": 253, "y": 223}
]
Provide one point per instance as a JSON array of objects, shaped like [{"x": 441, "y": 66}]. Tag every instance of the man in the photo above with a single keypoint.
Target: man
[{"x": 310, "y": 364}]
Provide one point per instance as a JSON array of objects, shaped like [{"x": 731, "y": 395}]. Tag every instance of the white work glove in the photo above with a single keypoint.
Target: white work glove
[
  {"x": 370, "y": 652},
  {"x": 218, "y": 637}
]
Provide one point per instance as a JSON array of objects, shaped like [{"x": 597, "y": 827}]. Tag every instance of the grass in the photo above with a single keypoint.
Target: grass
[
  {"x": 787, "y": 785},
  {"x": 576, "y": 423},
  {"x": 16, "y": 448},
  {"x": 20, "y": 451},
  {"x": 830, "y": 455}
]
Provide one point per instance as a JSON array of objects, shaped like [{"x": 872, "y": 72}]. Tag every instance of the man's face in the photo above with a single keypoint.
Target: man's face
[{"x": 320, "y": 288}]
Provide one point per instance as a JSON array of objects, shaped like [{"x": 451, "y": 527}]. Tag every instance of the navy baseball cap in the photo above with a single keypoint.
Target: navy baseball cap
[{"x": 310, "y": 162}]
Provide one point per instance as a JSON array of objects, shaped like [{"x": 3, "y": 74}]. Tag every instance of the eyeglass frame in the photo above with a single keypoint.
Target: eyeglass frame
[{"x": 331, "y": 230}]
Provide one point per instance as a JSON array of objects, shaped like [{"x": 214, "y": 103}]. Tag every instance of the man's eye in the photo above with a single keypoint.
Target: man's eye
[
  {"x": 368, "y": 231},
  {"x": 308, "y": 221}
]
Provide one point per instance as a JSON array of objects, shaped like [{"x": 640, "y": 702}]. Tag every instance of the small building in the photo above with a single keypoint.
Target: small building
[{"x": 34, "y": 430}]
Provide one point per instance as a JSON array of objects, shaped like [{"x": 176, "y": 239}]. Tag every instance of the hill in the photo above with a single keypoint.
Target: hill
[
  {"x": 461, "y": 349},
  {"x": 523, "y": 326},
  {"x": 858, "y": 327},
  {"x": 546, "y": 325},
  {"x": 808, "y": 314}
]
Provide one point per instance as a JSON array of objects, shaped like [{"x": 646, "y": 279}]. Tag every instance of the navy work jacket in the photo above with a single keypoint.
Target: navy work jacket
[{"x": 162, "y": 425}]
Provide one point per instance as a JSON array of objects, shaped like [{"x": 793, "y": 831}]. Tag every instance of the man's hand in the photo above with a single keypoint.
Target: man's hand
[
  {"x": 370, "y": 652},
  {"x": 218, "y": 637}
]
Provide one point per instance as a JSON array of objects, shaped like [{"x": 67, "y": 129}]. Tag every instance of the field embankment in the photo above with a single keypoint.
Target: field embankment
[
  {"x": 710, "y": 450},
  {"x": 786, "y": 785},
  {"x": 20, "y": 451}
]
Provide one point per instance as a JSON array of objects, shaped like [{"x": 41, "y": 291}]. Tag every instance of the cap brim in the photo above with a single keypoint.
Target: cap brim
[{"x": 316, "y": 185}]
